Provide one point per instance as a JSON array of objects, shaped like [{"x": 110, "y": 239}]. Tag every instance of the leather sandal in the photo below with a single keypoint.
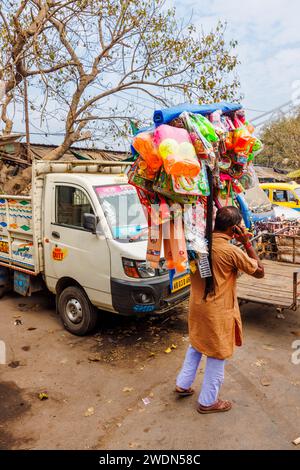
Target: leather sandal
[
  {"x": 218, "y": 407},
  {"x": 184, "y": 392}
]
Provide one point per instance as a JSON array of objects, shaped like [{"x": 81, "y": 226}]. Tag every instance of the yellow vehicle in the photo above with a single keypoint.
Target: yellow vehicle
[{"x": 283, "y": 194}]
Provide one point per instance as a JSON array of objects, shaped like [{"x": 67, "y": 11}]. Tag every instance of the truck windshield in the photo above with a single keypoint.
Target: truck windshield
[
  {"x": 123, "y": 211},
  {"x": 257, "y": 200}
]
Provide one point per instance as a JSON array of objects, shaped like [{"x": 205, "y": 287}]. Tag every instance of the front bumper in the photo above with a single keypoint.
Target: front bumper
[{"x": 127, "y": 296}]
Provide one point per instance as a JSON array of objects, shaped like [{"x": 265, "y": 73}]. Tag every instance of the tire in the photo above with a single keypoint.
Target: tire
[{"x": 77, "y": 313}]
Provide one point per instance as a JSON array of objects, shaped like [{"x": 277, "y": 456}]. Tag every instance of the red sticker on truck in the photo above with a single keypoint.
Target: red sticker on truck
[{"x": 59, "y": 254}]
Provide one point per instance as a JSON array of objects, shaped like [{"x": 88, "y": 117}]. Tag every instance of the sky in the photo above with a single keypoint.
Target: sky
[{"x": 268, "y": 35}]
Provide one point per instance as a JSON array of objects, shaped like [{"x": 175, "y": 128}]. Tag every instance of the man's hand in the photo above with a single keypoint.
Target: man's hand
[{"x": 241, "y": 235}]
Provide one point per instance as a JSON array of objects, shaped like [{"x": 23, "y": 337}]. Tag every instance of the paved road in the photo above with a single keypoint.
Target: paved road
[{"x": 96, "y": 385}]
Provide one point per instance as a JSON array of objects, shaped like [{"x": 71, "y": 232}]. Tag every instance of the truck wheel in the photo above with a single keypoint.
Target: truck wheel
[{"x": 77, "y": 313}]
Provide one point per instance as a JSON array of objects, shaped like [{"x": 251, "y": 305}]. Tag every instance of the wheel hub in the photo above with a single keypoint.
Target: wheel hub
[{"x": 74, "y": 311}]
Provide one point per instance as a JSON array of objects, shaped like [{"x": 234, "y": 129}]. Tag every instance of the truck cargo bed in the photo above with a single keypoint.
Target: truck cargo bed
[{"x": 17, "y": 243}]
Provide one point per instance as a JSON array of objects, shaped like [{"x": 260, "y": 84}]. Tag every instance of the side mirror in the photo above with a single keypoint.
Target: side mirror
[{"x": 90, "y": 222}]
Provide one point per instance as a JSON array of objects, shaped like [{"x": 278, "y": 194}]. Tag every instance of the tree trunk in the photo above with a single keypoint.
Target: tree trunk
[{"x": 59, "y": 151}]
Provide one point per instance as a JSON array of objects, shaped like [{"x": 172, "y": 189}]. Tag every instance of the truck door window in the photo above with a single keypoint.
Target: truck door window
[
  {"x": 280, "y": 196},
  {"x": 292, "y": 197},
  {"x": 71, "y": 204}
]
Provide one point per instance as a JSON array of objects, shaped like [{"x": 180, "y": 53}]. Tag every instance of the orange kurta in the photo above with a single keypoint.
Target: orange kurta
[{"x": 215, "y": 325}]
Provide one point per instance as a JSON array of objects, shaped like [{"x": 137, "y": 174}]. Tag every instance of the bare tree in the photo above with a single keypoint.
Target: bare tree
[
  {"x": 27, "y": 48},
  {"x": 84, "y": 55}
]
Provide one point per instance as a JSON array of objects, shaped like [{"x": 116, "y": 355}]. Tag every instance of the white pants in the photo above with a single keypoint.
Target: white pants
[{"x": 213, "y": 376}]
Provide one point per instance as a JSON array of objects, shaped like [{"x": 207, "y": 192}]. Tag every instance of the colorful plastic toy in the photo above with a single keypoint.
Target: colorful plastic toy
[
  {"x": 177, "y": 151},
  {"x": 243, "y": 141},
  {"x": 215, "y": 119},
  {"x": 144, "y": 145}
]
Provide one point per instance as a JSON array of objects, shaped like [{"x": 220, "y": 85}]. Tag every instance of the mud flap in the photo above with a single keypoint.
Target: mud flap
[{"x": 21, "y": 283}]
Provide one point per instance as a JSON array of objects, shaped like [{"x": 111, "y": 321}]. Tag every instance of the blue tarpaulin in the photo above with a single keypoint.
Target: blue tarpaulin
[{"x": 163, "y": 116}]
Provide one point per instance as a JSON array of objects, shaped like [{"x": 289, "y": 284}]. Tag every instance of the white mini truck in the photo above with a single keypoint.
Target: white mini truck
[{"x": 83, "y": 234}]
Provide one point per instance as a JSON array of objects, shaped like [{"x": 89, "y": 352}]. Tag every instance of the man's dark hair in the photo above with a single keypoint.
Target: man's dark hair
[{"x": 227, "y": 217}]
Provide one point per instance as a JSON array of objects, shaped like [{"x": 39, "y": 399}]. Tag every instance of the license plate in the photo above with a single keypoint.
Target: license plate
[{"x": 181, "y": 282}]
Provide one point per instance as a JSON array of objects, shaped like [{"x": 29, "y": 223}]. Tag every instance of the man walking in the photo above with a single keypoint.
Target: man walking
[{"x": 214, "y": 322}]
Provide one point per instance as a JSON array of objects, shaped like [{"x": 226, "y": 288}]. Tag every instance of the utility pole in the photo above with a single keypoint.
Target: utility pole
[{"x": 27, "y": 119}]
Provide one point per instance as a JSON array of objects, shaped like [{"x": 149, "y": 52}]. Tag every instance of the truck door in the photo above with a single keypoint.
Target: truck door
[{"x": 72, "y": 251}]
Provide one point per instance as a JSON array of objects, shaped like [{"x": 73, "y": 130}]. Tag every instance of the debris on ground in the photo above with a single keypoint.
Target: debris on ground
[
  {"x": 43, "y": 396},
  {"x": 296, "y": 333},
  {"x": 29, "y": 307},
  {"x": 133, "y": 445},
  {"x": 146, "y": 401},
  {"x": 296, "y": 441},
  {"x": 127, "y": 389},
  {"x": 95, "y": 357},
  {"x": 265, "y": 381},
  {"x": 268, "y": 348},
  {"x": 89, "y": 412},
  {"x": 14, "y": 364},
  {"x": 169, "y": 349},
  {"x": 259, "y": 363}
]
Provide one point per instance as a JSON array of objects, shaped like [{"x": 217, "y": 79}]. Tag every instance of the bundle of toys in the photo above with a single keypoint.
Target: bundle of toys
[{"x": 193, "y": 160}]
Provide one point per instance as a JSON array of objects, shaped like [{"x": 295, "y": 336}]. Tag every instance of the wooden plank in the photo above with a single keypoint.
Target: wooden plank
[
  {"x": 267, "y": 288},
  {"x": 277, "y": 281},
  {"x": 281, "y": 269},
  {"x": 272, "y": 300},
  {"x": 265, "y": 293},
  {"x": 281, "y": 284},
  {"x": 270, "y": 262},
  {"x": 257, "y": 290},
  {"x": 268, "y": 301},
  {"x": 282, "y": 274},
  {"x": 276, "y": 265},
  {"x": 14, "y": 159},
  {"x": 263, "y": 300}
]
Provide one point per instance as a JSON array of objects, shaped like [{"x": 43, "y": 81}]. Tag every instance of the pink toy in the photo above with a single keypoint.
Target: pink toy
[{"x": 176, "y": 150}]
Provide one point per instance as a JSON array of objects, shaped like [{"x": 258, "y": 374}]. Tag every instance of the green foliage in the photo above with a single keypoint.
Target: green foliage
[{"x": 281, "y": 142}]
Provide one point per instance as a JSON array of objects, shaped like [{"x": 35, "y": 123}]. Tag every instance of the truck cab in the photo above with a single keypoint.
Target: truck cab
[
  {"x": 283, "y": 194},
  {"x": 94, "y": 244},
  {"x": 88, "y": 240}
]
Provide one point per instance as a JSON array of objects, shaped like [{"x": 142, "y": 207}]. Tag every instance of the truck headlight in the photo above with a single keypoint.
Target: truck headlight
[
  {"x": 144, "y": 269},
  {"x": 138, "y": 269}
]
